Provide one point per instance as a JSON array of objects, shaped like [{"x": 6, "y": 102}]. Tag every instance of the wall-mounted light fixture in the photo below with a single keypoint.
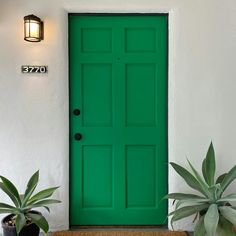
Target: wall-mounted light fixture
[{"x": 33, "y": 28}]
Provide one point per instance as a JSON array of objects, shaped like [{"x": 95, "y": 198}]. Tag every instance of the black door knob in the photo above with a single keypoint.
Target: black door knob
[
  {"x": 76, "y": 112},
  {"x": 78, "y": 136}
]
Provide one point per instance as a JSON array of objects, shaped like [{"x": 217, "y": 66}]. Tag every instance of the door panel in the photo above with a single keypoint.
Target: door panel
[
  {"x": 140, "y": 90},
  {"x": 97, "y": 109},
  {"x": 97, "y": 176},
  {"x": 118, "y": 80},
  {"x": 146, "y": 42},
  {"x": 139, "y": 160}
]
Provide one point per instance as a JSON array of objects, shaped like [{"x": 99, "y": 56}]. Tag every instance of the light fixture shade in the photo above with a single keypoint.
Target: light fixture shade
[{"x": 33, "y": 28}]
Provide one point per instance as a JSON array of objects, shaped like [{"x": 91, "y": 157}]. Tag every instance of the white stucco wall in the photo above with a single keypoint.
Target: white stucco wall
[{"x": 34, "y": 109}]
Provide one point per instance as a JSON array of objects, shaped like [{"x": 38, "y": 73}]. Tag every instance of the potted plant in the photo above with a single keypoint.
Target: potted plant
[
  {"x": 212, "y": 208},
  {"x": 22, "y": 220}
]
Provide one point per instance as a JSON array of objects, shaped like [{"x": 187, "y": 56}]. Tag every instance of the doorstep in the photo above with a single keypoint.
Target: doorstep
[
  {"x": 113, "y": 229},
  {"x": 94, "y": 229}
]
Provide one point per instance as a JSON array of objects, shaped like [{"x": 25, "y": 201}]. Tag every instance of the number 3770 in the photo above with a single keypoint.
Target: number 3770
[{"x": 34, "y": 69}]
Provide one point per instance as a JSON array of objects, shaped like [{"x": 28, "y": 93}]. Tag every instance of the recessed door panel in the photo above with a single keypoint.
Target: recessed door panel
[
  {"x": 141, "y": 94},
  {"x": 103, "y": 42},
  {"x": 97, "y": 94},
  {"x": 97, "y": 177},
  {"x": 141, "y": 176},
  {"x": 146, "y": 39}
]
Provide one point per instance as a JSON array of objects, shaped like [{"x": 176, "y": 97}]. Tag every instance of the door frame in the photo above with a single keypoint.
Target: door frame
[{"x": 167, "y": 84}]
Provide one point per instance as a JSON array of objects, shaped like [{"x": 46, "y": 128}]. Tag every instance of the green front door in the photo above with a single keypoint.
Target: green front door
[{"x": 118, "y": 119}]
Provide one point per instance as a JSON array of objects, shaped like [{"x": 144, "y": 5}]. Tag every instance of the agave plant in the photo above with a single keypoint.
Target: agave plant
[
  {"x": 211, "y": 207},
  {"x": 23, "y": 204}
]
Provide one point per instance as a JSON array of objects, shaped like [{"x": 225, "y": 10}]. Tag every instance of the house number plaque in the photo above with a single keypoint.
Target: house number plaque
[{"x": 34, "y": 69}]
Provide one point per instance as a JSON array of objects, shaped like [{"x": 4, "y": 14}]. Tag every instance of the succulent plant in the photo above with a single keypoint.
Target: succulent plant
[
  {"x": 211, "y": 206},
  {"x": 23, "y": 204}
]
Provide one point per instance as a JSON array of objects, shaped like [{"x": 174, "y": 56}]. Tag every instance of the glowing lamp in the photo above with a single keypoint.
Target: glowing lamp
[{"x": 33, "y": 28}]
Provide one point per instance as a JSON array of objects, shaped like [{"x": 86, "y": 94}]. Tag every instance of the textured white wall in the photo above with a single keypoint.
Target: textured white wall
[{"x": 34, "y": 109}]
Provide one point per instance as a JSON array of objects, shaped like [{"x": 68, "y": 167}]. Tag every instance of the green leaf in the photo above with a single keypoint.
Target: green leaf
[
  {"x": 22, "y": 197},
  {"x": 188, "y": 177},
  {"x": 228, "y": 198},
  {"x": 10, "y": 195},
  {"x": 215, "y": 192},
  {"x": 4, "y": 205},
  {"x": 31, "y": 185},
  {"x": 211, "y": 220},
  {"x": 199, "y": 179},
  {"x": 46, "y": 193},
  {"x": 225, "y": 228},
  {"x": 229, "y": 178},
  {"x": 11, "y": 188},
  {"x": 199, "y": 229},
  {"x": 228, "y": 213},
  {"x": 186, "y": 211},
  {"x": 191, "y": 202},
  {"x": 181, "y": 196},
  {"x": 20, "y": 222},
  {"x": 209, "y": 166},
  {"x": 204, "y": 171},
  {"x": 220, "y": 178},
  {"x": 47, "y": 202},
  {"x": 47, "y": 208},
  {"x": 7, "y": 211},
  {"x": 40, "y": 221},
  {"x": 42, "y": 203},
  {"x": 218, "y": 191}
]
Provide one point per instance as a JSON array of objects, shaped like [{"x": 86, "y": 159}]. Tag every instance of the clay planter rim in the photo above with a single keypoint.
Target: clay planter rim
[{"x": 10, "y": 227}]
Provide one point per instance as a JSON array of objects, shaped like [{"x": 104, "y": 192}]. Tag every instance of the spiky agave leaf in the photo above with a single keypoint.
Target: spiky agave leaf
[
  {"x": 46, "y": 193},
  {"x": 211, "y": 220},
  {"x": 199, "y": 229},
  {"x": 186, "y": 211},
  {"x": 215, "y": 192},
  {"x": 209, "y": 166},
  {"x": 31, "y": 185},
  {"x": 200, "y": 180},
  {"x": 42, "y": 203},
  {"x": 228, "y": 213},
  {"x": 225, "y": 228},
  {"x": 8, "y": 210},
  {"x": 229, "y": 178},
  {"x": 187, "y": 202},
  {"x": 39, "y": 220},
  {"x": 189, "y": 178},
  {"x": 20, "y": 222},
  {"x": 10, "y": 194},
  {"x": 181, "y": 196},
  {"x": 7, "y": 206},
  {"x": 220, "y": 178},
  {"x": 228, "y": 198}
]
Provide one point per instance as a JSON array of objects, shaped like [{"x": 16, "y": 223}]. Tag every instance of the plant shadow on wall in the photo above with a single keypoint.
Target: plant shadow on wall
[
  {"x": 22, "y": 220},
  {"x": 212, "y": 209}
]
